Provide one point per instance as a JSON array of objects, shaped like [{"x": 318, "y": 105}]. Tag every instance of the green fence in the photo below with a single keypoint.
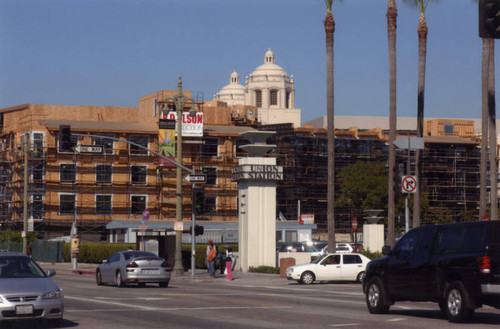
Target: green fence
[{"x": 42, "y": 251}]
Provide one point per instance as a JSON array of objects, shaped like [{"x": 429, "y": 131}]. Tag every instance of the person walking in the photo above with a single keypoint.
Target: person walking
[
  {"x": 211, "y": 260},
  {"x": 229, "y": 263}
]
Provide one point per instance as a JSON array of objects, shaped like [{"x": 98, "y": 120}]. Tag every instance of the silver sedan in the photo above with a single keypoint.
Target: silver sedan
[
  {"x": 26, "y": 291},
  {"x": 139, "y": 267}
]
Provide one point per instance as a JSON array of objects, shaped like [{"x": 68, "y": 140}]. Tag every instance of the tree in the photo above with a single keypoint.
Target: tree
[
  {"x": 392, "y": 13},
  {"x": 362, "y": 186},
  {"x": 422, "y": 30},
  {"x": 329, "y": 24}
]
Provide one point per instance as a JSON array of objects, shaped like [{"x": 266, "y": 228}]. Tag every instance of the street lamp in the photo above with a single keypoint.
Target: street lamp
[{"x": 179, "y": 101}]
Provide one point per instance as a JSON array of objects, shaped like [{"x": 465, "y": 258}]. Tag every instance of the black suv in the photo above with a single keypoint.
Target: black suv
[{"x": 455, "y": 265}]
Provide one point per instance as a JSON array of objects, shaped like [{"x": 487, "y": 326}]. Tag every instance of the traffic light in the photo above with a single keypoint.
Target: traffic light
[
  {"x": 65, "y": 138},
  {"x": 198, "y": 230},
  {"x": 489, "y": 19},
  {"x": 198, "y": 200}
]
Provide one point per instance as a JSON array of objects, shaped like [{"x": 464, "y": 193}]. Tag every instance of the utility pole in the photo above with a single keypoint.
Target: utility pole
[{"x": 26, "y": 146}]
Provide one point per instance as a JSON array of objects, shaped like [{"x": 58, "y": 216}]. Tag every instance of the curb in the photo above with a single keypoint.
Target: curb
[{"x": 83, "y": 272}]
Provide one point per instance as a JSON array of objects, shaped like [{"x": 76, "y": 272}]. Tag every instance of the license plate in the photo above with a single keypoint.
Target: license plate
[
  {"x": 24, "y": 309},
  {"x": 151, "y": 272}
]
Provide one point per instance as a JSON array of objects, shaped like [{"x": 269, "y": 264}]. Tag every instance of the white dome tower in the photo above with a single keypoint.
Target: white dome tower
[{"x": 233, "y": 93}]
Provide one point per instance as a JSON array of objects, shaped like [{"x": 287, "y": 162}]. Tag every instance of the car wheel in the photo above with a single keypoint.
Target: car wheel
[
  {"x": 457, "y": 304},
  {"x": 375, "y": 297},
  {"x": 307, "y": 278},
  {"x": 98, "y": 278},
  {"x": 361, "y": 276},
  {"x": 163, "y": 284},
  {"x": 119, "y": 279}
]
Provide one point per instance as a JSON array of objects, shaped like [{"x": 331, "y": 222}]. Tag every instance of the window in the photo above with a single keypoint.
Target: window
[
  {"x": 141, "y": 140},
  {"x": 103, "y": 204},
  {"x": 38, "y": 172},
  {"x": 239, "y": 151},
  {"x": 107, "y": 143},
  {"x": 210, "y": 206},
  {"x": 138, "y": 174},
  {"x": 274, "y": 97},
  {"x": 332, "y": 260},
  {"x": 287, "y": 100},
  {"x": 37, "y": 145},
  {"x": 406, "y": 246},
  {"x": 352, "y": 259},
  {"x": 290, "y": 236},
  {"x": 37, "y": 206},
  {"x": 67, "y": 173},
  {"x": 103, "y": 174},
  {"x": 449, "y": 129},
  {"x": 73, "y": 142},
  {"x": 138, "y": 204},
  {"x": 211, "y": 173},
  {"x": 67, "y": 204},
  {"x": 258, "y": 98},
  {"x": 209, "y": 147}
]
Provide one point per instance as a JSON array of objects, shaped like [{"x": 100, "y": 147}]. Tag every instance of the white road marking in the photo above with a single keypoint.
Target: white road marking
[
  {"x": 345, "y": 325},
  {"x": 397, "y": 319}
]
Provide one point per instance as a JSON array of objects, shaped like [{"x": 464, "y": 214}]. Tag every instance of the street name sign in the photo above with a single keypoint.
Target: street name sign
[
  {"x": 196, "y": 178},
  {"x": 93, "y": 149},
  {"x": 412, "y": 143}
]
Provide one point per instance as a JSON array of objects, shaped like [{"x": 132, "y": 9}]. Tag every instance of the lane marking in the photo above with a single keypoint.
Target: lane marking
[
  {"x": 397, "y": 319},
  {"x": 345, "y": 325},
  {"x": 161, "y": 309}
]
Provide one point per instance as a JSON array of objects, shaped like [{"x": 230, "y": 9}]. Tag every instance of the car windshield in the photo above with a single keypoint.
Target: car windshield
[
  {"x": 19, "y": 267},
  {"x": 318, "y": 260},
  {"x": 134, "y": 254}
]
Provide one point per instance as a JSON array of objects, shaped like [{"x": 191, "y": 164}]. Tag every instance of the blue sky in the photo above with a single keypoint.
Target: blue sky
[{"x": 111, "y": 52}]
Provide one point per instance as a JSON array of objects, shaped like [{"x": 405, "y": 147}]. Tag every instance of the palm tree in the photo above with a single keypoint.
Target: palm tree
[
  {"x": 329, "y": 24},
  {"x": 422, "y": 58},
  {"x": 392, "y": 13}
]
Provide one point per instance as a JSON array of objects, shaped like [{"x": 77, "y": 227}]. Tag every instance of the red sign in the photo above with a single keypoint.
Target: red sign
[
  {"x": 485, "y": 217},
  {"x": 408, "y": 184},
  {"x": 142, "y": 228},
  {"x": 354, "y": 223}
]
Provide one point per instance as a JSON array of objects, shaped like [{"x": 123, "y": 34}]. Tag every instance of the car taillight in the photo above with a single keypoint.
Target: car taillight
[
  {"x": 132, "y": 264},
  {"x": 484, "y": 264},
  {"x": 164, "y": 264}
]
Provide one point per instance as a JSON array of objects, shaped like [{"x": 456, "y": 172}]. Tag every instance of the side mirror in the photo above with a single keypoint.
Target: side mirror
[
  {"x": 386, "y": 250},
  {"x": 51, "y": 273}
]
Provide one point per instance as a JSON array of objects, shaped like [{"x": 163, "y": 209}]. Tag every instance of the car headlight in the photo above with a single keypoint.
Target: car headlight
[
  {"x": 290, "y": 270},
  {"x": 55, "y": 294}
]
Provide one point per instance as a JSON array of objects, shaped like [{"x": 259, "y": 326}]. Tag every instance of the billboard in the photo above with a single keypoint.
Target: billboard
[{"x": 191, "y": 126}]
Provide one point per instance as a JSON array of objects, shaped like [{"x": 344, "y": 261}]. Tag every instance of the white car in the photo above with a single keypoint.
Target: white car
[
  {"x": 330, "y": 267},
  {"x": 341, "y": 248}
]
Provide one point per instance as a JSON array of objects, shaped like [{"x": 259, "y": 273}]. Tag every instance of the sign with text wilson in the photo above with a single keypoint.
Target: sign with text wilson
[
  {"x": 257, "y": 172},
  {"x": 191, "y": 126}
]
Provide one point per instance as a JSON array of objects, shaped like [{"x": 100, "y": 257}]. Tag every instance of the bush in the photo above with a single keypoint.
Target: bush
[
  {"x": 94, "y": 253},
  {"x": 371, "y": 254},
  {"x": 15, "y": 236},
  {"x": 264, "y": 269}
]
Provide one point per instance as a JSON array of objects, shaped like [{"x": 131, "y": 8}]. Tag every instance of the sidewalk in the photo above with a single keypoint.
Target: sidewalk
[{"x": 201, "y": 275}]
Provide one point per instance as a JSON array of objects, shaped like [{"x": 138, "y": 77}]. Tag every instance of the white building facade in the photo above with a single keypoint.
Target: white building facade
[{"x": 269, "y": 88}]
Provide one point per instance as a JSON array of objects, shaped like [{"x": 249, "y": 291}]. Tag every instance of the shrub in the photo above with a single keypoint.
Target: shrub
[
  {"x": 264, "y": 269},
  {"x": 371, "y": 254},
  {"x": 94, "y": 253}
]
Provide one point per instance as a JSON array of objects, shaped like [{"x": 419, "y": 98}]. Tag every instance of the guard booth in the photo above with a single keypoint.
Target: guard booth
[{"x": 158, "y": 241}]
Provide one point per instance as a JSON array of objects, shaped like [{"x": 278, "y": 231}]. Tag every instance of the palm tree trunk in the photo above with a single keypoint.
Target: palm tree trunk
[
  {"x": 484, "y": 127},
  {"x": 493, "y": 135},
  {"x": 329, "y": 30},
  {"x": 422, "y": 57},
  {"x": 392, "y": 14}
]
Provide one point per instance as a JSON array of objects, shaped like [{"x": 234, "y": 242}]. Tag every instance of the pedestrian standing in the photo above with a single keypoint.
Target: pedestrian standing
[
  {"x": 211, "y": 260},
  {"x": 210, "y": 242},
  {"x": 229, "y": 263}
]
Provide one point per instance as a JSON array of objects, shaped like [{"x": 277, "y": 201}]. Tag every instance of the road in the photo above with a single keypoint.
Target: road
[{"x": 249, "y": 301}]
